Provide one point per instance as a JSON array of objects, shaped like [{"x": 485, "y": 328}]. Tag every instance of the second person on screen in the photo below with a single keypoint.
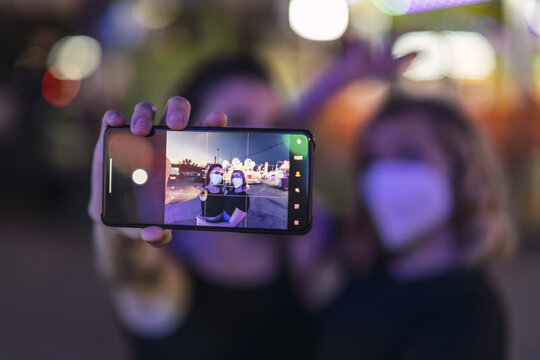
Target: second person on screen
[{"x": 235, "y": 203}]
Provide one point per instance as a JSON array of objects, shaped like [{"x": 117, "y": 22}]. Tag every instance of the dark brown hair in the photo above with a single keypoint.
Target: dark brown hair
[
  {"x": 209, "y": 169},
  {"x": 244, "y": 179},
  {"x": 215, "y": 71}
]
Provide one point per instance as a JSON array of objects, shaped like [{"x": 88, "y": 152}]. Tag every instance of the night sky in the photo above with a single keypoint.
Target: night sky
[{"x": 258, "y": 147}]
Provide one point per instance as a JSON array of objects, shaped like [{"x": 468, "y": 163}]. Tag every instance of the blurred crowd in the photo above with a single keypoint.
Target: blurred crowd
[{"x": 427, "y": 168}]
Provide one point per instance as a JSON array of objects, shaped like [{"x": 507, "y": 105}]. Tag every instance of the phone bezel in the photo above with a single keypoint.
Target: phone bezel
[{"x": 309, "y": 203}]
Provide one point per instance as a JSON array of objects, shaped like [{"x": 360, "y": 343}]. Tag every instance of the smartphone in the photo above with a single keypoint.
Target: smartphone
[{"x": 226, "y": 179}]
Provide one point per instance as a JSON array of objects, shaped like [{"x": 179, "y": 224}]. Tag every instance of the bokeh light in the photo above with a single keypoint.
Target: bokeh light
[
  {"x": 430, "y": 62},
  {"x": 459, "y": 55},
  {"x": 156, "y": 14},
  {"x": 367, "y": 20},
  {"x": 531, "y": 13},
  {"x": 393, "y": 7},
  {"x": 29, "y": 66},
  {"x": 471, "y": 55},
  {"x": 428, "y": 5},
  {"x": 402, "y": 7},
  {"x": 66, "y": 71},
  {"x": 82, "y": 51},
  {"x": 320, "y": 20},
  {"x": 119, "y": 26},
  {"x": 60, "y": 91},
  {"x": 536, "y": 74}
]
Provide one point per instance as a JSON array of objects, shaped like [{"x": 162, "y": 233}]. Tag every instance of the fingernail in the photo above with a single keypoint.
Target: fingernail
[
  {"x": 115, "y": 118},
  {"x": 141, "y": 123},
  {"x": 175, "y": 117}
]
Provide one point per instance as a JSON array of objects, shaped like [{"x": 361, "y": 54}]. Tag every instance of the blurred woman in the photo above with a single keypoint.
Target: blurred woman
[
  {"x": 432, "y": 215},
  {"x": 224, "y": 295},
  {"x": 208, "y": 295}
]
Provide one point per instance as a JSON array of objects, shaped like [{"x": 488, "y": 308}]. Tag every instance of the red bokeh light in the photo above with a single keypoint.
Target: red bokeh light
[{"x": 59, "y": 92}]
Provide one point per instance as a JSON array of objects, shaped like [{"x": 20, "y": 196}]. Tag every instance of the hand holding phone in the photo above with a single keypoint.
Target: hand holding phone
[
  {"x": 227, "y": 179},
  {"x": 175, "y": 116}
]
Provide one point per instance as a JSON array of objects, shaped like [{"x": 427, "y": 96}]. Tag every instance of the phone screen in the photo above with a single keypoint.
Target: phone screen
[{"x": 255, "y": 180}]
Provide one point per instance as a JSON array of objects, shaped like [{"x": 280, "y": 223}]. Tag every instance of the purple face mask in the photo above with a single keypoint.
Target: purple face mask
[{"x": 406, "y": 200}]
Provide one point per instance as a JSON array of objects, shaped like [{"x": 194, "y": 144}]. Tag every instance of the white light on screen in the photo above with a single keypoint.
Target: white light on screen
[
  {"x": 320, "y": 20},
  {"x": 140, "y": 176}
]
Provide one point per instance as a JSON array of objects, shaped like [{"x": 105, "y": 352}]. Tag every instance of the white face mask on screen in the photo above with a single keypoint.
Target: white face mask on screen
[
  {"x": 216, "y": 179},
  {"x": 237, "y": 182},
  {"x": 406, "y": 200}
]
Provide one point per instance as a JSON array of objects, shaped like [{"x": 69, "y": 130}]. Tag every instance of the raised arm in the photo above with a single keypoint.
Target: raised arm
[
  {"x": 183, "y": 194},
  {"x": 358, "y": 60}
]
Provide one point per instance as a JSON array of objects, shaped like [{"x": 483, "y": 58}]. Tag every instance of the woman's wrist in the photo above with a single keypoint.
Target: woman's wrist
[
  {"x": 111, "y": 232},
  {"x": 122, "y": 257}
]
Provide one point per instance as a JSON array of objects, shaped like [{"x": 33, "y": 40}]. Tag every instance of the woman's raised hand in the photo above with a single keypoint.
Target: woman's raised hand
[{"x": 175, "y": 116}]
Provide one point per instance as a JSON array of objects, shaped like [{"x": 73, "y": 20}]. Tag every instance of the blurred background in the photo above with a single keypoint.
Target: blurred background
[{"x": 63, "y": 63}]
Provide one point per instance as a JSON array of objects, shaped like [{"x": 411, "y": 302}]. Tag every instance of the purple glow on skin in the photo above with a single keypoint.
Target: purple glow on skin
[{"x": 427, "y": 5}]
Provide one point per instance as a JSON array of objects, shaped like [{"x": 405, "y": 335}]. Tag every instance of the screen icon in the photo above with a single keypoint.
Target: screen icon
[
  {"x": 296, "y": 222},
  {"x": 298, "y": 141},
  {"x": 298, "y": 157},
  {"x": 296, "y": 206},
  {"x": 297, "y": 174},
  {"x": 139, "y": 176},
  {"x": 297, "y": 190}
]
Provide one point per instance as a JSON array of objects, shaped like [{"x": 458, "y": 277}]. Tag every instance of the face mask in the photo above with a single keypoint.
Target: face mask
[
  {"x": 216, "y": 179},
  {"x": 237, "y": 182},
  {"x": 406, "y": 200}
]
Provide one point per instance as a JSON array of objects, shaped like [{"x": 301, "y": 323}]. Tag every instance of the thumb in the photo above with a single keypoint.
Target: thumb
[{"x": 156, "y": 236}]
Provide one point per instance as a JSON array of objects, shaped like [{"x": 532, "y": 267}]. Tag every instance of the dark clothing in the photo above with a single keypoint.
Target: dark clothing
[
  {"x": 234, "y": 200},
  {"x": 234, "y": 323},
  {"x": 213, "y": 206},
  {"x": 454, "y": 316}
]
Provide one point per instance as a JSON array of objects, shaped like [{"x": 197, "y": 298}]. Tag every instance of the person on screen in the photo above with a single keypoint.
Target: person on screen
[
  {"x": 431, "y": 217},
  {"x": 212, "y": 200},
  {"x": 236, "y": 203}
]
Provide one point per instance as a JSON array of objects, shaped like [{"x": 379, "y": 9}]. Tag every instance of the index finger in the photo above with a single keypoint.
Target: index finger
[
  {"x": 176, "y": 114},
  {"x": 142, "y": 118}
]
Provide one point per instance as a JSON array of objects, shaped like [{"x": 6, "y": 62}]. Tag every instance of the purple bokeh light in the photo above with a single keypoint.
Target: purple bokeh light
[{"x": 428, "y": 5}]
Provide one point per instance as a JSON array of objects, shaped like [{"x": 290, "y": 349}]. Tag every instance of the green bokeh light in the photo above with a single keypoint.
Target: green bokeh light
[{"x": 393, "y": 7}]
